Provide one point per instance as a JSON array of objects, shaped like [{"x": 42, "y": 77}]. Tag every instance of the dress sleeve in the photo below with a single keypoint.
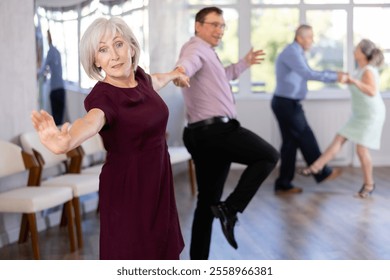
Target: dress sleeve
[
  {"x": 141, "y": 74},
  {"x": 102, "y": 100}
]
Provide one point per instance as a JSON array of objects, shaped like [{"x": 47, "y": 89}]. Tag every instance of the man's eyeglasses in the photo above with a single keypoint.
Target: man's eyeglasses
[{"x": 216, "y": 25}]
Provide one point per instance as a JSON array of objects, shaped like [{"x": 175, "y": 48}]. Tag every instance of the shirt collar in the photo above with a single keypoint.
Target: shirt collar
[
  {"x": 200, "y": 40},
  {"x": 298, "y": 47}
]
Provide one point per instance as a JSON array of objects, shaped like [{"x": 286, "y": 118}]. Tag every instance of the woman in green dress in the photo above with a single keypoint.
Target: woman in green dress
[{"x": 368, "y": 115}]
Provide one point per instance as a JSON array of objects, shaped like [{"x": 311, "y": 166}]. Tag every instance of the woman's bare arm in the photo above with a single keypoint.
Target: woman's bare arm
[
  {"x": 160, "y": 80},
  {"x": 69, "y": 136}
]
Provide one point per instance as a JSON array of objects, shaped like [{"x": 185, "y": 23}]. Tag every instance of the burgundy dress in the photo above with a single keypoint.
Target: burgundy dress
[{"x": 138, "y": 215}]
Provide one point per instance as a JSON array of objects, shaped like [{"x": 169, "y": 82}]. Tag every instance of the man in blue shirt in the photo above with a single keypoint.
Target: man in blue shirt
[
  {"x": 57, "y": 91},
  {"x": 292, "y": 74}
]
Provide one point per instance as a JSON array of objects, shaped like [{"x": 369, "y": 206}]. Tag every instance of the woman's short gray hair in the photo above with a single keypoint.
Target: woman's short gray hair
[{"x": 89, "y": 43}]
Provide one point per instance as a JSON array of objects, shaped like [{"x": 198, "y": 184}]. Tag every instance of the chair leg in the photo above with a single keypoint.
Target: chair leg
[
  {"x": 23, "y": 233},
  {"x": 64, "y": 220},
  {"x": 77, "y": 216},
  {"x": 32, "y": 225},
  {"x": 69, "y": 214},
  {"x": 192, "y": 176}
]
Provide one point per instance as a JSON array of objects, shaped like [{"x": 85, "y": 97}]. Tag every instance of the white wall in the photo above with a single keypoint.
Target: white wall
[{"x": 18, "y": 90}]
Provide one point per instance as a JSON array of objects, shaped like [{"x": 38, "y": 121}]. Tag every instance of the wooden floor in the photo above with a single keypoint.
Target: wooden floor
[{"x": 324, "y": 222}]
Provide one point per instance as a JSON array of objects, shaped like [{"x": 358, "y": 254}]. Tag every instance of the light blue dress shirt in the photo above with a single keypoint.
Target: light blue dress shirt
[
  {"x": 293, "y": 72},
  {"x": 53, "y": 60}
]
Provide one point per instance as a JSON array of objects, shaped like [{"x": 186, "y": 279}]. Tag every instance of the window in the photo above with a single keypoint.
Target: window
[
  {"x": 71, "y": 54},
  {"x": 271, "y": 38},
  {"x": 211, "y": 2},
  {"x": 326, "y": 1},
  {"x": 371, "y": 1},
  {"x": 371, "y": 29},
  {"x": 62, "y": 26},
  {"x": 272, "y": 24},
  {"x": 275, "y": 2},
  {"x": 68, "y": 25},
  {"x": 138, "y": 20},
  {"x": 264, "y": 24},
  {"x": 85, "y": 81},
  {"x": 330, "y": 44}
]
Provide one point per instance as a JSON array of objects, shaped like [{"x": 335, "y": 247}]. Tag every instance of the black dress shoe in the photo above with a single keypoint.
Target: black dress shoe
[{"x": 228, "y": 220}]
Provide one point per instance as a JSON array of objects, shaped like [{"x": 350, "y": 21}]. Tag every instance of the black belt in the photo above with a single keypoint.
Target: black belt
[{"x": 209, "y": 121}]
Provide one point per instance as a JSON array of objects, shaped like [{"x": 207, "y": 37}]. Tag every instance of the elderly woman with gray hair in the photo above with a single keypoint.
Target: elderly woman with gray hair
[
  {"x": 138, "y": 216},
  {"x": 368, "y": 115}
]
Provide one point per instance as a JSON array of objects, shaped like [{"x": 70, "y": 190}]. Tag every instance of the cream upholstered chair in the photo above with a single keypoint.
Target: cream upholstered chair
[
  {"x": 81, "y": 184},
  {"x": 93, "y": 153},
  {"x": 30, "y": 200},
  {"x": 180, "y": 154},
  {"x": 94, "y": 147},
  {"x": 91, "y": 149}
]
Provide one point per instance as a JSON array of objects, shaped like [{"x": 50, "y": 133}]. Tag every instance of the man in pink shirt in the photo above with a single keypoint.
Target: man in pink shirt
[{"x": 214, "y": 137}]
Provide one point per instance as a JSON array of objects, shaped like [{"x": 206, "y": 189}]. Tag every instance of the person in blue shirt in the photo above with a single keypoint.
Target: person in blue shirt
[
  {"x": 57, "y": 90},
  {"x": 292, "y": 74}
]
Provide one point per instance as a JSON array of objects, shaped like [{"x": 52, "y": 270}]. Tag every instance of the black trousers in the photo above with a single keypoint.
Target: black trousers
[
  {"x": 57, "y": 102},
  {"x": 213, "y": 148},
  {"x": 296, "y": 134}
]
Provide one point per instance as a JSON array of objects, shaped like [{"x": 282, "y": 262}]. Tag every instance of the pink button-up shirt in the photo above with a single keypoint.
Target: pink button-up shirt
[{"x": 210, "y": 93}]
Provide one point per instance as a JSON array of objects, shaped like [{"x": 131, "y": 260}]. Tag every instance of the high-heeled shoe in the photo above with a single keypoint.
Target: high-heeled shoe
[{"x": 366, "y": 190}]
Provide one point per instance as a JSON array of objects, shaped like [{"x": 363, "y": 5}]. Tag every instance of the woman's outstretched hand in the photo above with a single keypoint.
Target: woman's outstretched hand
[{"x": 55, "y": 139}]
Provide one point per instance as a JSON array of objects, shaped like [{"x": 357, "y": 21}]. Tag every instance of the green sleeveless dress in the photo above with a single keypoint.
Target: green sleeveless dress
[{"x": 368, "y": 114}]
